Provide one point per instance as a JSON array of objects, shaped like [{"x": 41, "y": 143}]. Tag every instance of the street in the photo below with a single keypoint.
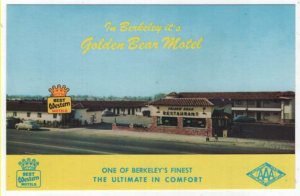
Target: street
[{"x": 96, "y": 141}]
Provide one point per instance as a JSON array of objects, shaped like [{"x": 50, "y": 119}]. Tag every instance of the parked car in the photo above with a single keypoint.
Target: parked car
[
  {"x": 244, "y": 119},
  {"x": 27, "y": 125}
]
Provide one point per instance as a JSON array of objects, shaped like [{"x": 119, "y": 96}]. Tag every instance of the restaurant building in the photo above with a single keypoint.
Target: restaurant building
[{"x": 191, "y": 116}]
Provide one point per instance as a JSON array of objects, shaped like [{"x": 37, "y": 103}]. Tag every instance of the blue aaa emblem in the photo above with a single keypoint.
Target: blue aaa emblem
[{"x": 266, "y": 174}]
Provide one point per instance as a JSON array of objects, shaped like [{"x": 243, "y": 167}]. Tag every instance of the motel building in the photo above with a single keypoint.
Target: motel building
[
  {"x": 267, "y": 107},
  {"x": 116, "y": 107},
  {"x": 32, "y": 110},
  {"x": 91, "y": 112},
  {"x": 83, "y": 112},
  {"x": 191, "y": 116}
]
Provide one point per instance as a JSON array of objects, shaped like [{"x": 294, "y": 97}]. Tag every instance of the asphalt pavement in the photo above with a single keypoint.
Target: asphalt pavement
[{"x": 96, "y": 141}]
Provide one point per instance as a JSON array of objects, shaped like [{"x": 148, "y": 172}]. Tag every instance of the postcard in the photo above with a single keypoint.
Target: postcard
[{"x": 149, "y": 97}]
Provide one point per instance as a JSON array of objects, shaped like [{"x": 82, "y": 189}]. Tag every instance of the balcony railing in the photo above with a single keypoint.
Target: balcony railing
[{"x": 256, "y": 109}]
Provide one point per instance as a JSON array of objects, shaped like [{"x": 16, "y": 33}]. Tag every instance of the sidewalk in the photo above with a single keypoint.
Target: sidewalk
[{"x": 238, "y": 142}]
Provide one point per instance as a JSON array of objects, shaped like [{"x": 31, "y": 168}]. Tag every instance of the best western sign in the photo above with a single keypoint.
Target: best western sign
[
  {"x": 58, "y": 102},
  {"x": 59, "y": 105}
]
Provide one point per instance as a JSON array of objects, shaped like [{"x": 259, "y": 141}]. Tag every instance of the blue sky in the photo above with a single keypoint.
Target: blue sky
[{"x": 245, "y": 48}]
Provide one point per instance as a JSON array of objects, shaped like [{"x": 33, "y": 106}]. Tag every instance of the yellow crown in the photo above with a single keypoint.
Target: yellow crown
[{"x": 59, "y": 91}]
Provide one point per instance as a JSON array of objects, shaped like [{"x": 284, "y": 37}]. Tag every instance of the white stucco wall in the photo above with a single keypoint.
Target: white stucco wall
[
  {"x": 86, "y": 116},
  {"x": 34, "y": 116},
  {"x": 288, "y": 109},
  {"x": 139, "y": 111}
]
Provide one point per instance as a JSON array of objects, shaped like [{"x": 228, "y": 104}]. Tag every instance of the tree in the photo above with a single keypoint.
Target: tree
[{"x": 159, "y": 96}]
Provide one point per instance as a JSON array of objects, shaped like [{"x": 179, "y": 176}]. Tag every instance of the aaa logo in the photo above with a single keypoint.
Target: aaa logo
[
  {"x": 266, "y": 174},
  {"x": 28, "y": 177}
]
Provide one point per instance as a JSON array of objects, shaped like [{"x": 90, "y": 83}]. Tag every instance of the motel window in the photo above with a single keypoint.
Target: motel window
[
  {"x": 39, "y": 115},
  {"x": 185, "y": 113},
  {"x": 54, "y": 115},
  {"x": 275, "y": 113},
  {"x": 28, "y": 114},
  {"x": 194, "y": 122},
  {"x": 164, "y": 113},
  {"x": 267, "y": 114},
  {"x": 15, "y": 114}
]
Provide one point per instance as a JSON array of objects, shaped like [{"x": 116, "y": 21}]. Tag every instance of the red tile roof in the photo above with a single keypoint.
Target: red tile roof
[
  {"x": 182, "y": 102},
  {"x": 30, "y": 106},
  {"x": 41, "y": 106},
  {"x": 236, "y": 95},
  {"x": 101, "y": 105}
]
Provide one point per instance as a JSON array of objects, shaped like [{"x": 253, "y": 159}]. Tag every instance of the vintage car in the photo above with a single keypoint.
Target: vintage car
[{"x": 27, "y": 125}]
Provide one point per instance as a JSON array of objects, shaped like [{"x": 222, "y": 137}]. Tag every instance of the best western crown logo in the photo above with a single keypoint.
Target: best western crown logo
[
  {"x": 58, "y": 102},
  {"x": 28, "y": 177},
  {"x": 266, "y": 174},
  {"x": 59, "y": 91}
]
